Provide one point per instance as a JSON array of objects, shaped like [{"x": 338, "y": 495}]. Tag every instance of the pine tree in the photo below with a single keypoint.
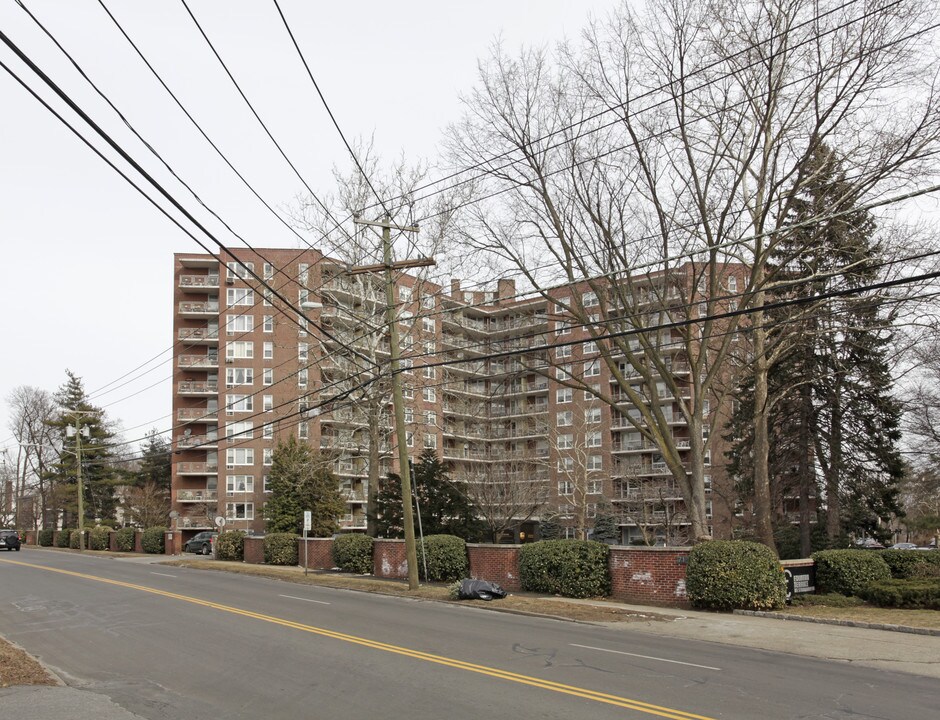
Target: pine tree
[
  {"x": 301, "y": 480},
  {"x": 606, "y": 527}
]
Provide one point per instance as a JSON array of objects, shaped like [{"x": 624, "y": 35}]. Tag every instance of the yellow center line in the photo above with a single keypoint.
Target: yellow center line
[{"x": 572, "y": 690}]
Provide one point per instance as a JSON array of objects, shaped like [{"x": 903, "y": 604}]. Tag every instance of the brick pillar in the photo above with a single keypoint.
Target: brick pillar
[
  {"x": 649, "y": 576},
  {"x": 389, "y": 559},
  {"x": 496, "y": 563}
]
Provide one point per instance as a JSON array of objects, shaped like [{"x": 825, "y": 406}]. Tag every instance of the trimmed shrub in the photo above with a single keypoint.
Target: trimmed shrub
[
  {"x": 44, "y": 538},
  {"x": 230, "y": 545},
  {"x": 910, "y": 594},
  {"x": 848, "y": 571},
  {"x": 573, "y": 568},
  {"x": 125, "y": 539},
  {"x": 353, "y": 553},
  {"x": 734, "y": 574},
  {"x": 63, "y": 538},
  {"x": 446, "y": 558},
  {"x": 904, "y": 564},
  {"x": 152, "y": 540},
  {"x": 828, "y": 600},
  {"x": 280, "y": 549},
  {"x": 74, "y": 539},
  {"x": 99, "y": 538}
]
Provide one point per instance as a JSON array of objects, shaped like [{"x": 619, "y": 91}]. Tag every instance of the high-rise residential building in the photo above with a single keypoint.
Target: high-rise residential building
[{"x": 508, "y": 390}]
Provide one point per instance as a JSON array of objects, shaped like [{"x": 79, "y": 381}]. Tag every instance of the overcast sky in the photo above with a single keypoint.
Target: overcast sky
[{"x": 87, "y": 282}]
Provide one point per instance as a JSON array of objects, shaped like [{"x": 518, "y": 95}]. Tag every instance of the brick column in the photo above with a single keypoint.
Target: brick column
[
  {"x": 496, "y": 563},
  {"x": 649, "y": 576},
  {"x": 389, "y": 559}
]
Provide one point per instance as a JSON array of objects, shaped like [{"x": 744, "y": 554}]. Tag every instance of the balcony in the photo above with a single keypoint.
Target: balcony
[
  {"x": 187, "y": 442},
  {"x": 196, "y": 468},
  {"x": 199, "y": 309},
  {"x": 199, "y": 283},
  {"x": 353, "y": 497},
  {"x": 348, "y": 522},
  {"x": 196, "y": 496},
  {"x": 198, "y": 362},
  {"x": 188, "y": 415},
  {"x": 190, "y": 522},
  {"x": 195, "y": 387},
  {"x": 198, "y": 336}
]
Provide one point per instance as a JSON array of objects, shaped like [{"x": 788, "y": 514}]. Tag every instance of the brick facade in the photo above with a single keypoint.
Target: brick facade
[
  {"x": 254, "y": 550},
  {"x": 496, "y": 563},
  {"x": 319, "y": 553},
  {"x": 389, "y": 559},
  {"x": 649, "y": 576}
]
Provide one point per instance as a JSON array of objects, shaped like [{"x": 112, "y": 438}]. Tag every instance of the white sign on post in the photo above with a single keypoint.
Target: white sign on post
[{"x": 308, "y": 520}]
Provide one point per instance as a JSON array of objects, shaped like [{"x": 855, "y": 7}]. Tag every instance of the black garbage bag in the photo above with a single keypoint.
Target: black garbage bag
[{"x": 480, "y": 590}]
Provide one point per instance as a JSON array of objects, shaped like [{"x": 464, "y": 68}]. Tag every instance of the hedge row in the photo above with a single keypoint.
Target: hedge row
[
  {"x": 353, "y": 553},
  {"x": 230, "y": 545},
  {"x": 124, "y": 539},
  {"x": 280, "y": 549},
  {"x": 735, "y": 574},
  {"x": 848, "y": 572},
  {"x": 573, "y": 568},
  {"x": 923, "y": 594},
  {"x": 445, "y": 557}
]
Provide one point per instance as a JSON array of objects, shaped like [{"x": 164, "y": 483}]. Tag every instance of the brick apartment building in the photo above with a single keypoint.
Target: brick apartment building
[{"x": 248, "y": 371}]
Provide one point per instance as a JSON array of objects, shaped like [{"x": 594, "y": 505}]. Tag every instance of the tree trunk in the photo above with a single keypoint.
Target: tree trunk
[
  {"x": 833, "y": 503},
  {"x": 761, "y": 449},
  {"x": 804, "y": 469},
  {"x": 375, "y": 440}
]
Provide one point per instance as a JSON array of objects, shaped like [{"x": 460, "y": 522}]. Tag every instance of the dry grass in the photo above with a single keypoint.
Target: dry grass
[
  {"x": 867, "y": 613},
  {"x": 19, "y": 668}
]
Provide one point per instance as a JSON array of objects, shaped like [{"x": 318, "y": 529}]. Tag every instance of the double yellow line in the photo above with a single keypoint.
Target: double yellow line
[{"x": 571, "y": 690}]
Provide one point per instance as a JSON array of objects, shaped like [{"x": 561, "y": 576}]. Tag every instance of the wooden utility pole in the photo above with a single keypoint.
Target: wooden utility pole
[{"x": 398, "y": 400}]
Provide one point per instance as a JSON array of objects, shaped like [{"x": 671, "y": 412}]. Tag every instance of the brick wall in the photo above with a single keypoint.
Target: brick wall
[
  {"x": 649, "y": 576},
  {"x": 138, "y": 548},
  {"x": 319, "y": 553},
  {"x": 389, "y": 559},
  {"x": 496, "y": 563},
  {"x": 254, "y": 550}
]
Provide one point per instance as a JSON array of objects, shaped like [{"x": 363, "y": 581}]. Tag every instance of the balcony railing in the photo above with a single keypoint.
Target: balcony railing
[
  {"x": 196, "y": 468},
  {"x": 202, "y": 362},
  {"x": 197, "y": 495},
  {"x": 198, "y": 335},
  {"x": 197, "y": 415},
  {"x": 191, "y": 441},
  {"x": 194, "y": 522},
  {"x": 199, "y": 308},
  {"x": 197, "y": 387},
  {"x": 199, "y": 282},
  {"x": 347, "y": 522}
]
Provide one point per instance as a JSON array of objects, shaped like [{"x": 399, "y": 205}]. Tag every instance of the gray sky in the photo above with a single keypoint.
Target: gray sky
[{"x": 87, "y": 283}]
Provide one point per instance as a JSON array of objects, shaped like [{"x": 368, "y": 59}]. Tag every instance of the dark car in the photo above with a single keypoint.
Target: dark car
[
  {"x": 9, "y": 540},
  {"x": 201, "y": 543}
]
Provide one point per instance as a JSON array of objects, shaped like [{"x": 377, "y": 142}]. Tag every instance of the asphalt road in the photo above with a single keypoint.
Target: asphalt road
[{"x": 168, "y": 642}]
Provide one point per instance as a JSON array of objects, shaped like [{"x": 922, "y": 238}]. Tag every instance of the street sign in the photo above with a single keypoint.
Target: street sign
[
  {"x": 308, "y": 520},
  {"x": 220, "y": 520}
]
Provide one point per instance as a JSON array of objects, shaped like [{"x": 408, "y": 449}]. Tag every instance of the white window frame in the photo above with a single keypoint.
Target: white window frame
[
  {"x": 239, "y": 297},
  {"x": 564, "y": 419}
]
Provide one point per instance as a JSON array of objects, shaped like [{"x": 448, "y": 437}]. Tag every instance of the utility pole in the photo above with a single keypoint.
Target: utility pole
[
  {"x": 79, "y": 430},
  {"x": 398, "y": 400}
]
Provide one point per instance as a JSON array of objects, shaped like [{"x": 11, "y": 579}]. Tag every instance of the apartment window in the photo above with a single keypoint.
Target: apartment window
[
  {"x": 562, "y": 328},
  {"x": 706, "y": 407},
  {"x": 303, "y": 272},
  {"x": 268, "y": 350},
  {"x": 595, "y": 487},
  {"x": 267, "y": 376},
  {"x": 408, "y": 392},
  {"x": 409, "y": 415},
  {"x": 430, "y": 418},
  {"x": 239, "y": 376},
  {"x": 239, "y": 270},
  {"x": 406, "y": 364},
  {"x": 732, "y": 283},
  {"x": 240, "y": 511},
  {"x": 589, "y": 348},
  {"x": 267, "y": 456},
  {"x": 590, "y": 510},
  {"x": 592, "y": 368},
  {"x": 241, "y": 349},
  {"x": 265, "y": 484},
  {"x": 302, "y": 351},
  {"x": 267, "y": 431},
  {"x": 592, "y": 415},
  {"x": 239, "y": 296},
  {"x": 561, "y": 305},
  {"x": 430, "y": 347},
  {"x": 239, "y": 456},
  {"x": 594, "y": 319},
  {"x": 268, "y": 270},
  {"x": 569, "y": 533},
  {"x": 589, "y": 299},
  {"x": 409, "y": 438},
  {"x": 563, "y": 352},
  {"x": 427, "y": 324},
  {"x": 404, "y": 294},
  {"x": 303, "y": 430},
  {"x": 239, "y": 484},
  {"x": 268, "y": 296},
  {"x": 708, "y": 484},
  {"x": 708, "y": 508},
  {"x": 427, "y": 302},
  {"x": 430, "y": 441},
  {"x": 301, "y": 326},
  {"x": 565, "y": 419},
  {"x": 268, "y": 324},
  {"x": 238, "y": 431},
  {"x": 565, "y": 395},
  {"x": 565, "y": 464},
  {"x": 595, "y": 462},
  {"x": 302, "y": 377},
  {"x": 565, "y": 441},
  {"x": 430, "y": 372},
  {"x": 732, "y": 305},
  {"x": 429, "y": 394},
  {"x": 563, "y": 372},
  {"x": 303, "y": 295},
  {"x": 239, "y": 403},
  {"x": 565, "y": 487},
  {"x": 593, "y": 439},
  {"x": 593, "y": 392},
  {"x": 239, "y": 324}
]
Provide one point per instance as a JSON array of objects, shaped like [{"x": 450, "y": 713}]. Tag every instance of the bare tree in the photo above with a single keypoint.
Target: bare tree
[
  {"x": 147, "y": 505},
  {"x": 675, "y": 139},
  {"x": 32, "y": 493}
]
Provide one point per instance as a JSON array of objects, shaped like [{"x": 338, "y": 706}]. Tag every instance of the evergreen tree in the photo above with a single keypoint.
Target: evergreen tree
[
  {"x": 606, "y": 527},
  {"x": 99, "y": 478},
  {"x": 549, "y": 528},
  {"x": 301, "y": 480},
  {"x": 155, "y": 462},
  {"x": 444, "y": 509}
]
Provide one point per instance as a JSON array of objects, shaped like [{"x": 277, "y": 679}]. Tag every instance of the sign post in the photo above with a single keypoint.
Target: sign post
[{"x": 308, "y": 523}]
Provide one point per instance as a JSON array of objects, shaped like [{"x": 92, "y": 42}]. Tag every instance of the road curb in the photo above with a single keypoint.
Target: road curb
[{"x": 844, "y": 623}]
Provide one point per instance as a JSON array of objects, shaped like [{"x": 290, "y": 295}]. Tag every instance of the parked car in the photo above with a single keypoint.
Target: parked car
[
  {"x": 903, "y": 546},
  {"x": 201, "y": 543},
  {"x": 868, "y": 544},
  {"x": 9, "y": 540}
]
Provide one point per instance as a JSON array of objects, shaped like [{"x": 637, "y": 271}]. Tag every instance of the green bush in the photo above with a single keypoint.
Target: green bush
[
  {"x": 734, "y": 574},
  {"x": 125, "y": 539},
  {"x": 904, "y": 564},
  {"x": 280, "y": 549},
  {"x": 63, "y": 538},
  {"x": 353, "y": 553},
  {"x": 921, "y": 594},
  {"x": 573, "y": 568},
  {"x": 827, "y": 600},
  {"x": 99, "y": 538},
  {"x": 45, "y": 538},
  {"x": 74, "y": 538},
  {"x": 848, "y": 571},
  {"x": 230, "y": 545},
  {"x": 446, "y": 558},
  {"x": 152, "y": 540}
]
